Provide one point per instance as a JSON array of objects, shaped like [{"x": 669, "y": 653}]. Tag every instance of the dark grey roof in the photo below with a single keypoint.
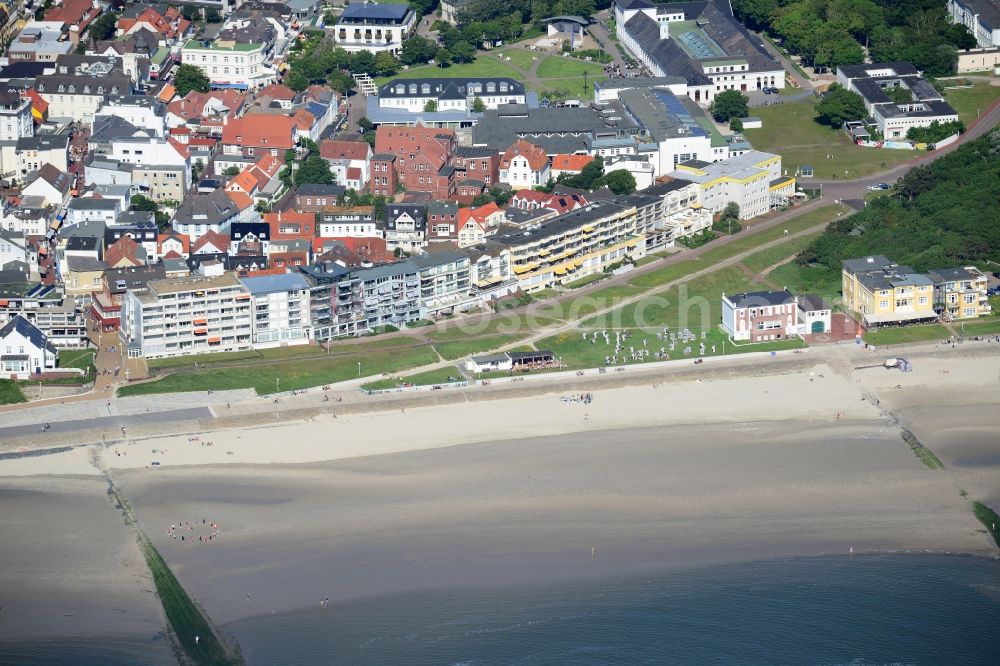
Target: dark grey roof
[
  {"x": 93, "y": 203},
  {"x": 442, "y": 207},
  {"x": 316, "y": 189},
  {"x": 474, "y": 152},
  {"x": 216, "y": 208},
  {"x": 870, "y": 263},
  {"x": 133, "y": 277},
  {"x": 82, "y": 244},
  {"x": 861, "y": 71},
  {"x": 759, "y": 298},
  {"x": 433, "y": 259},
  {"x": 659, "y": 189},
  {"x": 557, "y": 130},
  {"x": 988, "y": 11},
  {"x": 939, "y": 275},
  {"x": 109, "y": 128},
  {"x": 811, "y": 303},
  {"x": 261, "y": 230},
  {"x": 558, "y": 225},
  {"x": 33, "y": 334},
  {"x": 85, "y": 264},
  {"x": 360, "y": 11}
]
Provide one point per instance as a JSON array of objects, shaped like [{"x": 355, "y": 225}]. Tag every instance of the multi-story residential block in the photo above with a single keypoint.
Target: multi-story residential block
[
  {"x": 445, "y": 281},
  {"x": 31, "y": 217},
  {"x": 758, "y": 316},
  {"x": 960, "y": 293},
  {"x": 348, "y": 222},
  {"x": 48, "y": 308},
  {"x": 51, "y": 184},
  {"x": 15, "y": 116},
  {"x": 106, "y": 303},
  {"x": 574, "y": 245},
  {"x": 525, "y": 165},
  {"x": 79, "y": 85},
  {"x": 924, "y": 106},
  {"x": 92, "y": 209},
  {"x": 314, "y": 198},
  {"x": 405, "y": 227},
  {"x": 201, "y": 213},
  {"x": 752, "y": 180},
  {"x": 701, "y": 42},
  {"x": 423, "y": 158},
  {"x": 347, "y": 301},
  {"x": 281, "y": 309},
  {"x": 256, "y": 135},
  {"x": 34, "y": 152},
  {"x": 205, "y": 112},
  {"x": 384, "y": 180},
  {"x": 370, "y": 26},
  {"x": 882, "y": 293},
  {"x": 981, "y": 17},
  {"x": 291, "y": 224},
  {"x": 239, "y": 57},
  {"x": 668, "y": 211},
  {"x": 39, "y": 41},
  {"x": 458, "y": 94},
  {"x": 477, "y": 163},
  {"x": 671, "y": 125},
  {"x": 189, "y": 315}
]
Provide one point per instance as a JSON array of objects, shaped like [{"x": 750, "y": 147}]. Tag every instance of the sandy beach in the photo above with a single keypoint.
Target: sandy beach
[{"x": 647, "y": 477}]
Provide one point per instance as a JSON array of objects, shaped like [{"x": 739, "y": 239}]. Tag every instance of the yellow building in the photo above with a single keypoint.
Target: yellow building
[
  {"x": 574, "y": 245},
  {"x": 960, "y": 293},
  {"x": 881, "y": 293}
]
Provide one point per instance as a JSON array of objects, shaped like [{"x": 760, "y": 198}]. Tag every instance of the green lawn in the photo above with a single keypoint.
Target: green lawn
[
  {"x": 578, "y": 353},
  {"x": 989, "y": 326},
  {"x": 791, "y": 130},
  {"x": 568, "y": 88},
  {"x": 759, "y": 261},
  {"x": 557, "y": 67},
  {"x": 294, "y": 373},
  {"x": 905, "y": 334},
  {"x": 520, "y": 58},
  {"x": 484, "y": 65},
  {"x": 10, "y": 392},
  {"x": 77, "y": 358},
  {"x": 451, "y": 351},
  {"x": 695, "y": 304},
  {"x": 429, "y": 378},
  {"x": 800, "y": 279},
  {"x": 968, "y": 101},
  {"x": 584, "y": 281},
  {"x": 584, "y": 306}
]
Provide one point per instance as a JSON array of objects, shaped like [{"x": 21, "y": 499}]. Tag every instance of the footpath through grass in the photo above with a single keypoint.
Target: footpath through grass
[{"x": 429, "y": 378}]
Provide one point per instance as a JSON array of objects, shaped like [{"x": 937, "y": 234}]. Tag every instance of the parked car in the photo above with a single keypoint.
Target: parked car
[{"x": 767, "y": 91}]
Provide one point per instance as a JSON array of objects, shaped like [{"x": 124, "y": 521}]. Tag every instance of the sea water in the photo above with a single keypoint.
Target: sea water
[{"x": 860, "y": 610}]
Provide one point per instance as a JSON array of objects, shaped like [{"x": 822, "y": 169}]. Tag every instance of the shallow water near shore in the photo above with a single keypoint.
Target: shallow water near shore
[{"x": 877, "y": 609}]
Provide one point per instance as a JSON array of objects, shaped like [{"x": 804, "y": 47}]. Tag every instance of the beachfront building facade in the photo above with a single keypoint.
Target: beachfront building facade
[
  {"x": 445, "y": 281},
  {"x": 188, "y": 315},
  {"x": 370, "y": 26},
  {"x": 48, "y": 308},
  {"x": 25, "y": 350},
  {"x": 759, "y": 316},
  {"x": 960, "y": 293},
  {"x": 882, "y": 293},
  {"x": 280, "y": 309},
  {"x": 571, "y": 246},
  {"x": 752, "y": 180}
]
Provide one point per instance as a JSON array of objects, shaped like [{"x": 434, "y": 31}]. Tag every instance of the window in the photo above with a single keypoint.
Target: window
[
  {"x": 969, "y": 312},
  {"x": 883, "y": 304},
  {"x": 968, "y": 298}
]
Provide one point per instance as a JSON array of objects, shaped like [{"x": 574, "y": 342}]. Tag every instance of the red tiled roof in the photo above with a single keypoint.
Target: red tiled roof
[
  {"x": 245, "y": 181},
  {"x": 276, "y": 91},
  {"x": 304, "y": 120},
  {"x": 571, "y": 162},
  {"x": 332, "y": 149},
  {"x": 241, "y": 200},
  {"x": 74, "y": 12},
  {"x": 536, "y": 156},
  {"x": 353, "y": 173},
  {"x": 192, "y": 105},
  {"x": 213, "y": 238},
  {"x": 259, "y": 130},
  {"x": 166, "y": 93},
  {"x": 182, "y": 238},
  {"x": 124, "y": 249}
]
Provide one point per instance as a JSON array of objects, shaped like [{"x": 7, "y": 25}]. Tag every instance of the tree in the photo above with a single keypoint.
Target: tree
[
  {"x": 104, "y": 26},
  {"x": 340, "y": 81},
  {"x": 190, "y": 12},
  {"x": 431, "y": 106},
  {"x": 935, "y": 131},
  {"x": 736, "y": 124},
  {"x": 231, "y": 171},
  {"x": 314, "y": 169},
  {"x": 212, "y": 15},
  {"x": 478, "y": 105},
  {"x": 140, "y": 202},
  {"x": 840, "y": 105},
  {"x": 442, "y": 57},
  {"x": 729, "y": 104},
  {"x": 190, "y": 78},
  {"x": 732, "y": 210},
  {"x": 365, "y": 125},
  {"x": 362, "y": 62},
  {"x": 296, "y": 80},
  {"x": 620, "y": 181},
  {"x": 463, "y": 52},
  {"x": 417, "y": 50},
  {"x": 386, "y": 64}
]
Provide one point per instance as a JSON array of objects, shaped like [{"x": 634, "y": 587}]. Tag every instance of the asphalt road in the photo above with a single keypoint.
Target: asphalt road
[{"x": 113, "y": 423}]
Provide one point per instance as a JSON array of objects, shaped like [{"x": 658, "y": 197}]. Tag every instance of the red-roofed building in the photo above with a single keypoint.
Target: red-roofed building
[
  {"x": 423, "y": 157},
  {"x": 533, "y": 200},
  {"x": 76, "y": 15},
  {"x": 124, "y": 253},
  {"x": 564, "y": 203},
  {"x": 211, "y": 242},
  {"x": 353, "y": 252},
  {"x": 525, "y": 165},
  {"x": 276, "y": 93},
  {"x": 475, "y": 224},
  {"x": 258, "y": 134},
  {"x": 171, "y": 25},
  {"x": 173, "y": 243},
  {"x": 290, "y": 252},
  {"x": 350, "y": 161},
  {"x": 39, "y": 107},
  {"x": 571, "y": 164},
  {"x": 291, "y": 224},
  {"x": 244, "y": 182},
  {"x": 206, "y": 112}
]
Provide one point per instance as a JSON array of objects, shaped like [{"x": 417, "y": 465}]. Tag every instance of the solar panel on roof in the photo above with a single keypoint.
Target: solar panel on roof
[{"x": 697, "y": 45}]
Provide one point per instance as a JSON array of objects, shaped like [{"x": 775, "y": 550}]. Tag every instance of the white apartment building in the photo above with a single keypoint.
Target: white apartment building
[
  {"x": 146, "y": 113},
  {"x": 348, "y": 222},
  {"x": 752, "y": 180},
  {"x": 280, "y": 308},
  {"x": 450, "y": 94},
  {"x": 370, "y": 26},
  {"x": 15, "y": 115},
  {"x": 188, "y": 315},
  {"x": 229, "y": 64},
  {"x": 981, "y": 17}
]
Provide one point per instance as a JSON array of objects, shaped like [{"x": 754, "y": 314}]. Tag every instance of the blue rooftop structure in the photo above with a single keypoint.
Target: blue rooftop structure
[{"x": 269, "y": 284}]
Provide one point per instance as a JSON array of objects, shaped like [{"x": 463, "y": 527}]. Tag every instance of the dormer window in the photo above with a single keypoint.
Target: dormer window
[
  {"x": 425, "y": 89},
  {"x": 62, "y": 88},
  {"x": 491, "y": 87},
  {"x": 86, "y": 90},
  {"x": 413, "y": 88},
  {"x": 400, "y": 89},
  {"x": 72, "y": 88},
  {"x": 100, "y": 90},
  {"x": 503, "y": 87}
]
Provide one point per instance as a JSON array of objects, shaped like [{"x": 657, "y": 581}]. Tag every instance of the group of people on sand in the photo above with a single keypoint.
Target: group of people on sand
[{"x": 176, "y": 531}]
